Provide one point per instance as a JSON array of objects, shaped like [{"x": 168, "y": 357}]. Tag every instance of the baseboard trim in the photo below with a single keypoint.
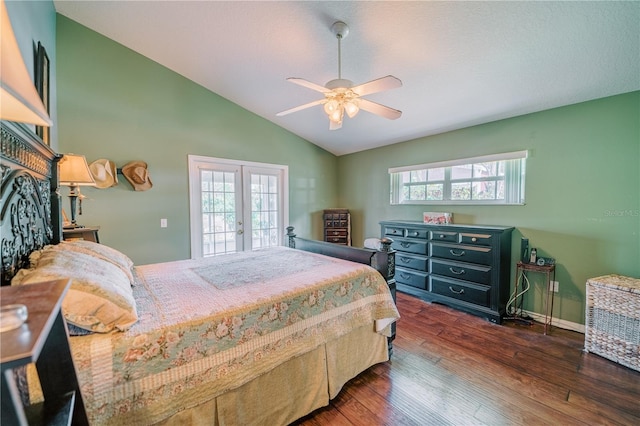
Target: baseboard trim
[{"x": 556, "y": 322}]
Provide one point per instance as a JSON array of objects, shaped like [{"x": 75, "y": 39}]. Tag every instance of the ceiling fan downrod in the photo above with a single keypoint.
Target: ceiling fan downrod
[{"x": 340, "y": 30}]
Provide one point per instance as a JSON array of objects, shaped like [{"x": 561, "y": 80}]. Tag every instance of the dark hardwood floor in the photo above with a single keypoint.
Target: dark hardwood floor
[{"x": 451, "y": 368}]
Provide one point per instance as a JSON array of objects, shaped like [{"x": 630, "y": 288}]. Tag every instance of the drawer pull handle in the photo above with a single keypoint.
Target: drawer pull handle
[
  {"x": 457, "y": 253},
  {"x": 405, "y": 260},
  {"x": 474, "y": 239},
  {"x": 456, "y": 292},
  {"x": 442, "y": 236},
  {"x": 336, "y": 233},
  {"x": 457, "y": 272},
  {"x": 405, "y": 245},
  {"x": 416, "y": 233},
  {"x": 405, "y": 276}
]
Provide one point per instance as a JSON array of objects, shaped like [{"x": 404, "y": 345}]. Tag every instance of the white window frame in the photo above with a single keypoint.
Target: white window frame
[{"x": 514, "y": 180}]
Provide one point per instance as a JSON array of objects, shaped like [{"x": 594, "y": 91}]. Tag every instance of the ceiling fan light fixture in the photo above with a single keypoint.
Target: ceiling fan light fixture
[
  {"x": 331, "y": 106},
  {"x": 336, "y": 116},
  {"x": 352, "y": 108}
]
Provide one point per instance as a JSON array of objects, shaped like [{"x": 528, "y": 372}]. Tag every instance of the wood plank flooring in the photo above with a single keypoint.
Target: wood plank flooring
[{"x": 451, "y": 368}]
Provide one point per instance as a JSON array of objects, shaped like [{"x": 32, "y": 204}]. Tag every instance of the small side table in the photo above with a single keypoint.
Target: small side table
[
  {"x": 89, "y": 233},
  {"x": 549, "y": 272},
  {"x": 41, "y": 339}
]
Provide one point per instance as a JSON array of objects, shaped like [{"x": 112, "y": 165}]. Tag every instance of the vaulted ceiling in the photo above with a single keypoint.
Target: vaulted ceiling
[{"x": 461, "y": 63}]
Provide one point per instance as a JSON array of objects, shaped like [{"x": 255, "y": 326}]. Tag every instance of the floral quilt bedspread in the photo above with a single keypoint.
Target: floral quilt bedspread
[{"x": 213, "y": 324}]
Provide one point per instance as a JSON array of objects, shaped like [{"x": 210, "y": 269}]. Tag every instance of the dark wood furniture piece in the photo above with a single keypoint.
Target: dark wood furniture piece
[
  {"x": 88, "y": 233},
  {"x": 30, "y": 214},
  {"x": 42, "y": 339},
  {"x": 466, "y": 267},
  {"x": 337, "y": 226},
  {"x": 549, "y": 272}
]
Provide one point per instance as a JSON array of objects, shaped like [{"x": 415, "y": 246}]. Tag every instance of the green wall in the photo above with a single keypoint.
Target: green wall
[
  {"x": 582, "y": 190},
  {"x": 114, "y": 103}
]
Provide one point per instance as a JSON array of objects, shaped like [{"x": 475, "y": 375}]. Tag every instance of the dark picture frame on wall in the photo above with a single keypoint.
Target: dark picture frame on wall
[{"x": 42, "y": 85}]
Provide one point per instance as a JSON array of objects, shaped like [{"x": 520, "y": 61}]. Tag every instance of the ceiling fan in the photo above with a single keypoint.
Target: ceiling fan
[{"x": 340, "y": 95}]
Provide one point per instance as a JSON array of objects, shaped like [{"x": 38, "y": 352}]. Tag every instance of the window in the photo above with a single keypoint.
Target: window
[{"x": 491, "y": 179}]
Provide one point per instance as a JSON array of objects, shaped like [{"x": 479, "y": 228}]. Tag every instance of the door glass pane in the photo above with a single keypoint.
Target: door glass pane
[
  {"x": 264, "y": 210},
  {"x": 218, "y": 212}
]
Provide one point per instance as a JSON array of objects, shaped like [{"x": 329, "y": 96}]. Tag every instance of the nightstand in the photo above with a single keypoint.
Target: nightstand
[
  {"x": 89, "y": 233},
  {"x": 41, "y": 339}
]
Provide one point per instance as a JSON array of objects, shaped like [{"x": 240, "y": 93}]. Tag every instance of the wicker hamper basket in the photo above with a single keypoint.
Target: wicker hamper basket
[{"x": 612, "y": 328}]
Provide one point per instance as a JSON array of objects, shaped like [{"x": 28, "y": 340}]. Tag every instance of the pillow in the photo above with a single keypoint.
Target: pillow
[
  {"x": 102, "y": 252},
  {"x": 100, "y": 297}
]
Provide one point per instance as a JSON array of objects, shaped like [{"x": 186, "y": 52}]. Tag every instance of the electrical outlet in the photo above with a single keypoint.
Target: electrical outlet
[
  {"x": 163, "y": 223},
  {"x": 553, "y": 285}
]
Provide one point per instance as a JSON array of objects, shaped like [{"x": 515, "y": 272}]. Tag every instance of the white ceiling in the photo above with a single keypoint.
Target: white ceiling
[{"x": 461, "y": 63}]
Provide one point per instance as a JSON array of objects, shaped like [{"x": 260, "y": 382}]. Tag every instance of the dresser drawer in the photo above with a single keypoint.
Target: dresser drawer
[
  {"x": 411, "y": 246},
  {"x": 444, "y": 236},
  {"x": 422, "y": 234},
  {"x": 336, "y": 240},
  {"x": 463, "y": 253},
  {"x": 413, "y": 278},
  {"x": 467, "y": 292},
  {"x": 412, "y": 261},
  {"x": 462, "y": 271},
  {"x": 336, "y": 224},
  {"x": 394, "y": 231},
  {"x": 336, "y": 232},
  {"x": 476, "y": 239}
]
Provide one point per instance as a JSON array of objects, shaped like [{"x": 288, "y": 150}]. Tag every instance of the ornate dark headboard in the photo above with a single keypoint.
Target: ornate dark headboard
[{"x": 29, "y": 202}]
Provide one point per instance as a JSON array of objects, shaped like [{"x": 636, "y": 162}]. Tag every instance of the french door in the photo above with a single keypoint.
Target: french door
[{"x": 236, "y": 205}]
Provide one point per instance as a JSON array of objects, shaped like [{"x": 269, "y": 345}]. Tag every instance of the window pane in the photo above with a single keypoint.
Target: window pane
[
  {"x": 484, "y": 190},
  {"x": 435, "y": 192},
  {"x": 436, "y": 174},
  {"x": 461, "y": 172},
  {"x": 481, "y": 170},
  {"x": 500, "y": 190},
  {"x": 461, "y": 190},
  {"x": 417, "y": 192},
  {"x": 418, "y": 176}
]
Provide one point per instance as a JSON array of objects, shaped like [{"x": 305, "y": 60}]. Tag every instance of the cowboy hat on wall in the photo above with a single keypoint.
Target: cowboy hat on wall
[
  {"x": 104, "y": 172},
  {"x": 137, "y": 175}
]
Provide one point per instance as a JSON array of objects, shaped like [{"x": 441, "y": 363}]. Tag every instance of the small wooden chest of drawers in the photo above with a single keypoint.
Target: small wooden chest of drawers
[
  {"x": 464, "y": 266},
  {"x": 337, "y": 226}
]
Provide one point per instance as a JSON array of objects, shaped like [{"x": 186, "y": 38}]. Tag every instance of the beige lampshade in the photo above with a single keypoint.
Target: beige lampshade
[
  {"x": 74, "y": 170},
  {"x": 19, "y": 99}
]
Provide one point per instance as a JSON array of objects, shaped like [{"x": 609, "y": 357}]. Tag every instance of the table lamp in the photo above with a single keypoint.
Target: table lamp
[{"x": 74, "y": 172}]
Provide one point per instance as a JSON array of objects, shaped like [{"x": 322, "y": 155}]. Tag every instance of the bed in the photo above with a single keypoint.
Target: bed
[{"x": 252, "y": 338}]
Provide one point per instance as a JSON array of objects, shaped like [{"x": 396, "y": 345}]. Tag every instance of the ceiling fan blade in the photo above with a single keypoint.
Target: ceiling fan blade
[
  {"x": 378, "y": 109},
  {"x": 335, "y": 126},
  {"x": 384, "y": 83},
  {"x": 308, "y": 84},
  {"x": 301, "y": 107}
]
